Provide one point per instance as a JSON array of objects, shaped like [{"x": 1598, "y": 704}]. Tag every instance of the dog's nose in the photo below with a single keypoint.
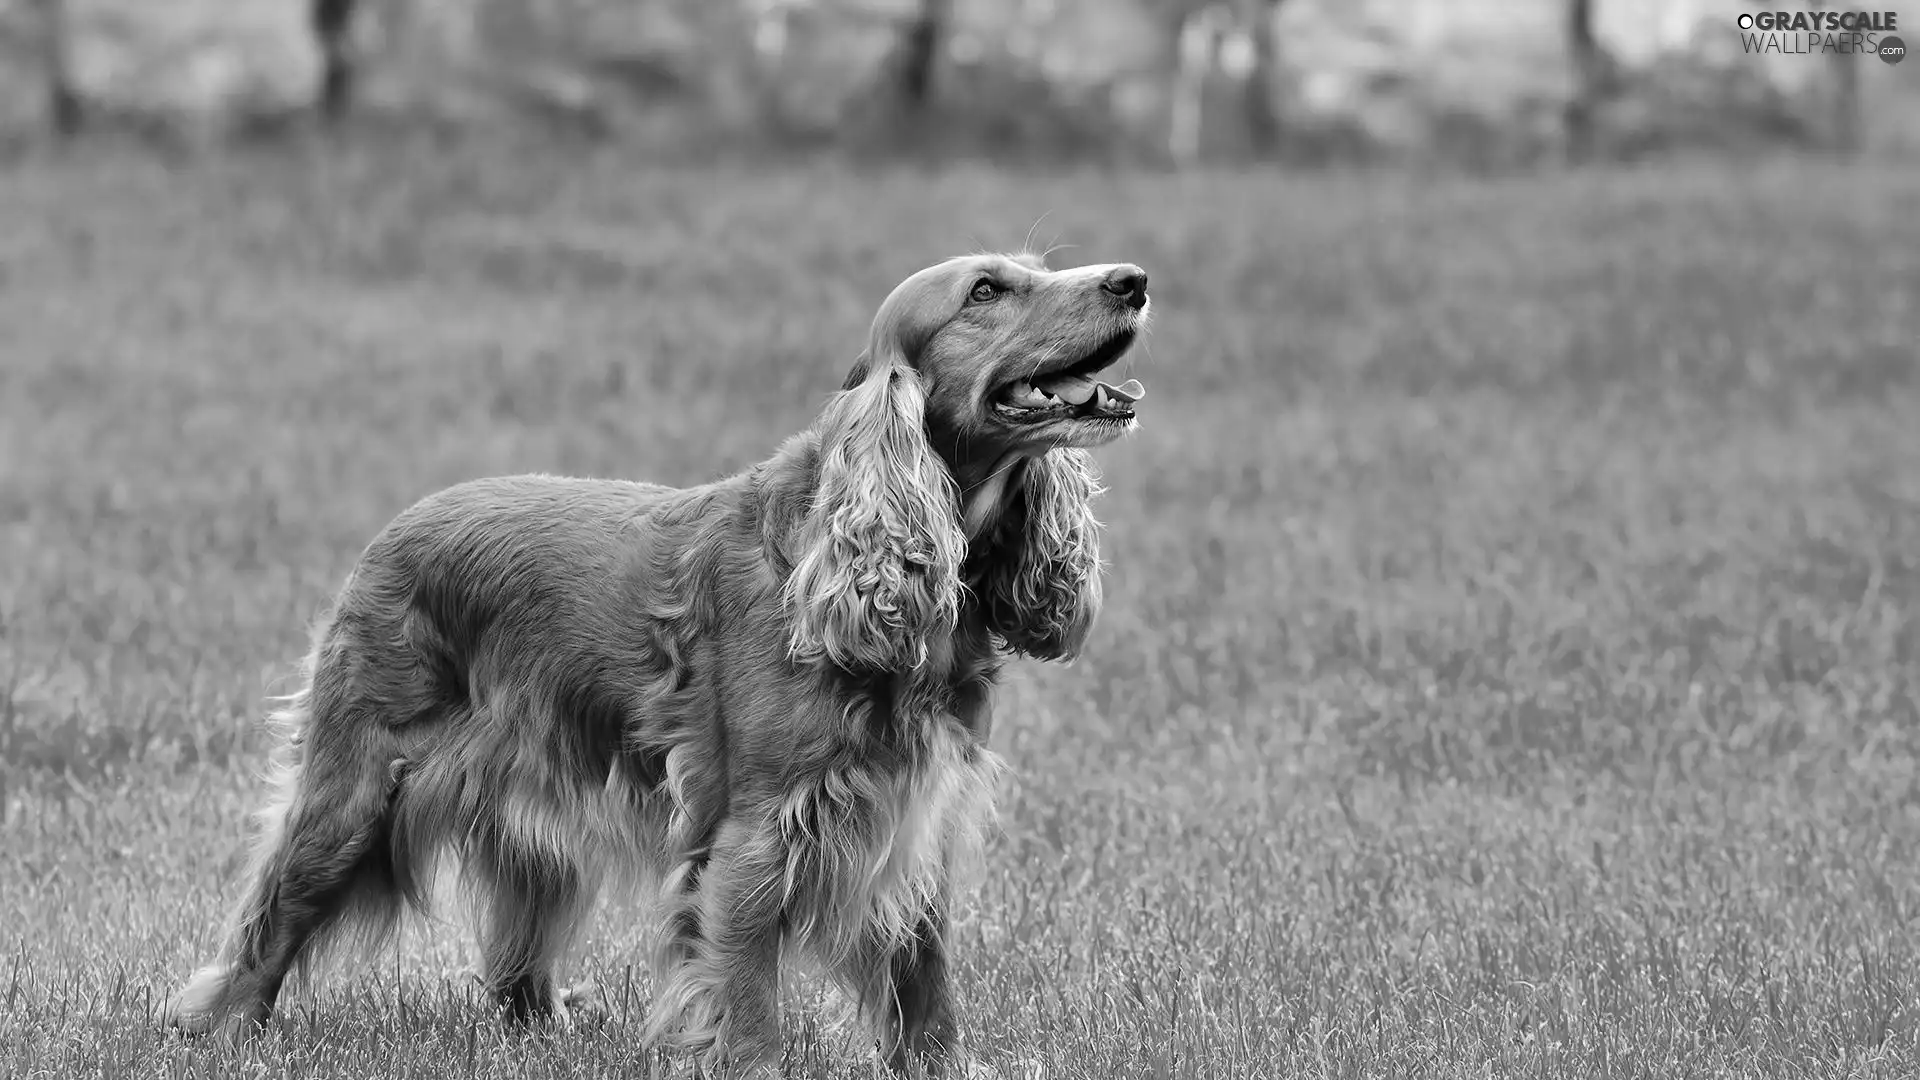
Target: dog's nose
[{"x": 1129, "y": 283}]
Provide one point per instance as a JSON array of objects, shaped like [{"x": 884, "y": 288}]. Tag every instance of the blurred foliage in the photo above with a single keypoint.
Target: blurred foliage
[
  {"x": 1678, "y": 104},
  {"x": 1496, "y": 84}
]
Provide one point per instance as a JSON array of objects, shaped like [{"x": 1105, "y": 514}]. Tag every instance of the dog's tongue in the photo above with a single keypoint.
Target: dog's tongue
[{"x": 1078, "y": 389}]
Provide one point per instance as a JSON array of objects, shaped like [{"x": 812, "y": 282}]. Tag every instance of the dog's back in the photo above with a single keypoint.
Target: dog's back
[{"x": 457, "y": 581}]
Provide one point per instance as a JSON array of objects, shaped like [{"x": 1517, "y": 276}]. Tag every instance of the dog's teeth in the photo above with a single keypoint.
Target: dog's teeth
[{"x": 1027, "y": 395}]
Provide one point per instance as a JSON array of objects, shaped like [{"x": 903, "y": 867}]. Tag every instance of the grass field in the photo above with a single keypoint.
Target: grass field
[{"x": 1511, "y": 664}]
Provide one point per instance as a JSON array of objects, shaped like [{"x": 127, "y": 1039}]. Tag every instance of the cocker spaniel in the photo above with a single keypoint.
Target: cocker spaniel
[{"x": 767, "y": 695}]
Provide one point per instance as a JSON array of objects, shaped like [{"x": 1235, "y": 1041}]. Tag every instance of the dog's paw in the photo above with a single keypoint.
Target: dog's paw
[
  {"x": 223, "y": 1028},
  {"x": 196, "y": 1008},
  {"x": 205, "y": 1007},
  {"x": 583, "y": 1006}
]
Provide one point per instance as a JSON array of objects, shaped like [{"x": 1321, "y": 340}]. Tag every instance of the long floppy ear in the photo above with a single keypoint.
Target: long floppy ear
[
  {"x": 878, "y": 572},
  {"x": 1041, "y": 589}
]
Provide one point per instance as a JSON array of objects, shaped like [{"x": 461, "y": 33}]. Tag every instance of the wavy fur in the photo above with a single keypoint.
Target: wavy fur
[
  {"x": 880, "y": 573},
  {"x": 1041, "y": 585},
  {"x": 765, "y": 700}
]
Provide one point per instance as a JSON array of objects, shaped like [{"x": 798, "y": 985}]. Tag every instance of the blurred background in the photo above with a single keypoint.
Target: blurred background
[{"x": 1483, "y": 83}]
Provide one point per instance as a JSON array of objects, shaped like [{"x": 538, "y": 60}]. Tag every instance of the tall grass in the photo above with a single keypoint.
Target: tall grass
[{"x": 1512, "y": 658}]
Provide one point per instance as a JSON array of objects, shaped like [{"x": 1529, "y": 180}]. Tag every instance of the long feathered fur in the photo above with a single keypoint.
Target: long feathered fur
[
  {"x": 1045, "y": 595},
  {"x": 880, "y": 571},
  {"x": 766, "y": 698}
]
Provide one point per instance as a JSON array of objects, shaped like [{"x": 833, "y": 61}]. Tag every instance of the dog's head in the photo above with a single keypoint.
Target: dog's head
[
  {"x": 1013, "y": 357},
  {"x": 965, "y": 424}
]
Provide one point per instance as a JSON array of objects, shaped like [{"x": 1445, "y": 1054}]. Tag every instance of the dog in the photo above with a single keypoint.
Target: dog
[{"x": 766, "y": 697}]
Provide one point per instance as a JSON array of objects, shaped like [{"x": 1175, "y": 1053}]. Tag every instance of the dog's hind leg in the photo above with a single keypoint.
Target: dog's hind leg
[
  {"x": 536, "y": 901},
  {"x": 321, "y": 863}
]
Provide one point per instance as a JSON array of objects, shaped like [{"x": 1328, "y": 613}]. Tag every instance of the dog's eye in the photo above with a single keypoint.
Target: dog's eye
[{"x": 983, "y": 291}]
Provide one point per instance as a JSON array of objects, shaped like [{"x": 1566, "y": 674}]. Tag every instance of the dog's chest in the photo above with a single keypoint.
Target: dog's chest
[
  {"x": 881, "y": 833},
  {"x": 934, "y": 826},
  {"x": 949, "y": 794}
]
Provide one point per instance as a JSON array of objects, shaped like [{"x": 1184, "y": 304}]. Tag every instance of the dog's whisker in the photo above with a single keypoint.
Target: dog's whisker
[{"x": 1026, "y": 244}]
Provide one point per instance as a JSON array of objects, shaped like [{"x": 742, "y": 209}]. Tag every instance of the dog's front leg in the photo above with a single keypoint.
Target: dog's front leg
[
  {"x": 729, "y": 982},
  {"x": 905, "y": 989},
  {"x": 927, "y": 1033}
]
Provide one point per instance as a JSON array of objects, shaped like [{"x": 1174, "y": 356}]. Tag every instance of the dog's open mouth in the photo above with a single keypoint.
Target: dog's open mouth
[{"x": 1074, "y": 390}]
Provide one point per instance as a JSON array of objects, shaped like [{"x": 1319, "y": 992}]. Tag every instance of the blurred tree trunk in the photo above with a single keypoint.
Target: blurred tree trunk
[
  {"x": 1591, "y": 69},
  {"x": 1845, "y": 122},
  {"x": 1263, "y": 125},
  {"x": 1191, "y": 43},
  {"x": 65, "y": 113},
  {"x": 333, "y": 29},
  {"x": 920, "y": 51}
]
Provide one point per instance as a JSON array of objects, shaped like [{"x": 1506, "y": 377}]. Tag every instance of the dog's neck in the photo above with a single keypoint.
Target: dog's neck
[{"x": 985, "y": 489}]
